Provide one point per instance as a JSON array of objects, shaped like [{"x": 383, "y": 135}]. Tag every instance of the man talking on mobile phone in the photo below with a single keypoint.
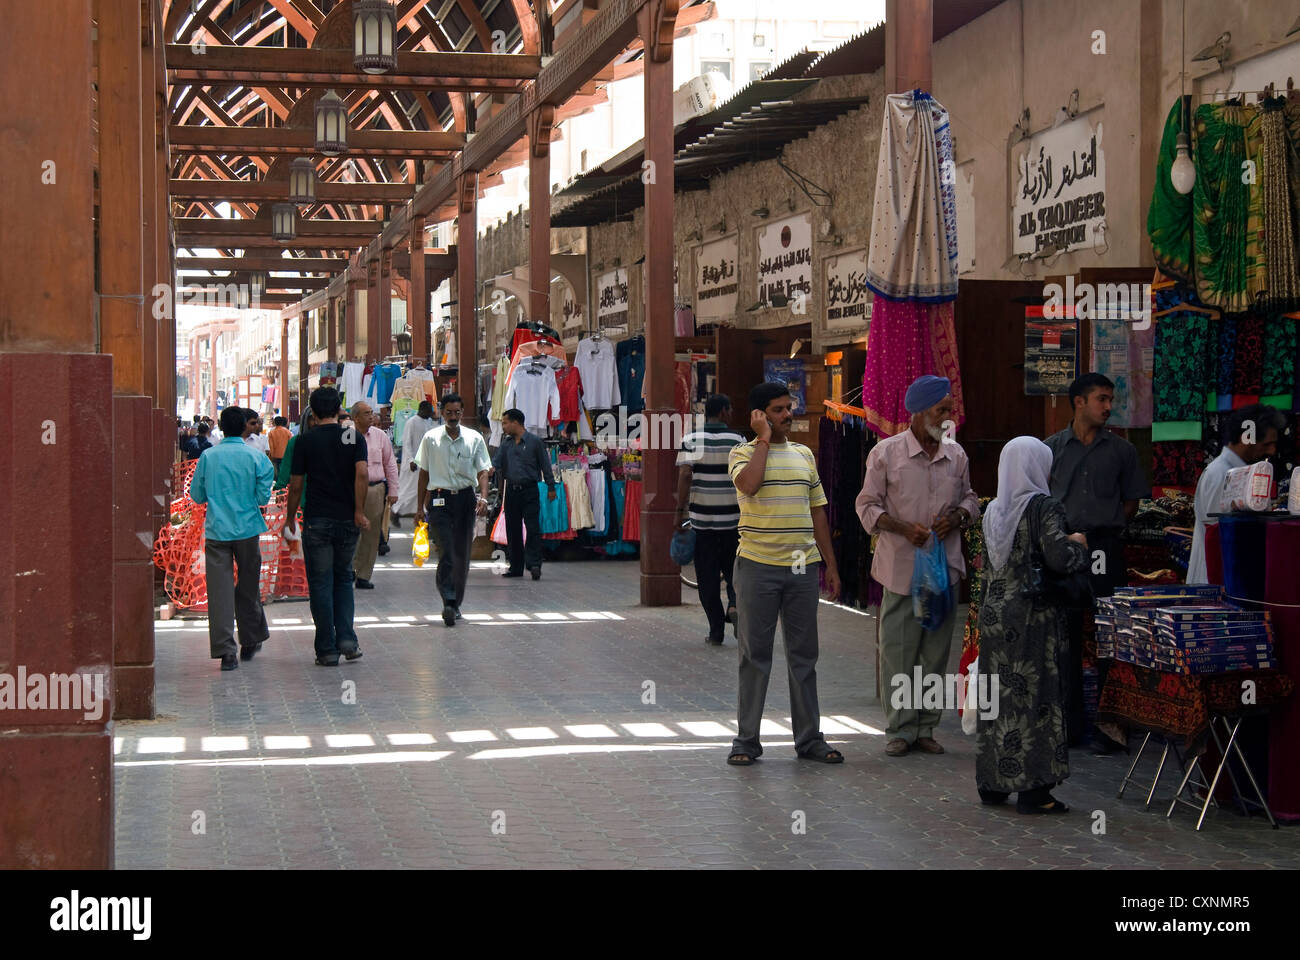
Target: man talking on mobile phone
[{"x": 784, "y": 540}]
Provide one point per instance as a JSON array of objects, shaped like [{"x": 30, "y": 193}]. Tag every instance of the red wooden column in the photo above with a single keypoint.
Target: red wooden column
[
  {"x": 540, "y": 123},
  {"x": 909, "y": 35},
  {"x": 148, "y": 154},
  {"x": 332, "y": 334},
  {"x": 660, "y": 580},
  {"x": 373, "y": 345},
  {"x": 56, "y": 552},
  {"x": 467, "y": 291},
  {"x": 122, "y": 335},
  {"x": 385, "y": 347},
  {"x": 417, "y": 301}
]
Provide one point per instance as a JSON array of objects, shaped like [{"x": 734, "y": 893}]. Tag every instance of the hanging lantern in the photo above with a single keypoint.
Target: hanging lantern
[
  {"x": 331, "y": 125},
  {"x": 284, "y": 222},
  {"x": 257, "y": 283},
  {"x": 241, "y": 296},
  {"x": 374, "y": 22},
  {"x": 404, "y": 343},
  {"x": 302, "y": 181}
]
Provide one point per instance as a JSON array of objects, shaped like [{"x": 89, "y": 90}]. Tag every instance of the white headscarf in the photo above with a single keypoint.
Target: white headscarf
[{"x": 1023, "y": 472}]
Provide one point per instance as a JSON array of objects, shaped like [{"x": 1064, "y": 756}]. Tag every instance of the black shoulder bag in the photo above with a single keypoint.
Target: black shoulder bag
[{"x": 1070, "y": 590}]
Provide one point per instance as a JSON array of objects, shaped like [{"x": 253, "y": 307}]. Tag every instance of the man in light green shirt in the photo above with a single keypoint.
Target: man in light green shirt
[{"x": 453, "y": 462}]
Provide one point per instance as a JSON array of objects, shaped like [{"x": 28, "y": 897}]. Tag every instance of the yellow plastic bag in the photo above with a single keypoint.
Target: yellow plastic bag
[{"x": 420, "y": 545}]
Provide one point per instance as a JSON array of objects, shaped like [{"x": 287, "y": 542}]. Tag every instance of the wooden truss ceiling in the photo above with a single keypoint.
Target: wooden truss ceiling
[{"x": 403, "y": 128}]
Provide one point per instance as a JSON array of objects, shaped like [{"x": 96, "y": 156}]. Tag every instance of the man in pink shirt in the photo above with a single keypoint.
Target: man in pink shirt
[
  {"x": 382, "y": 467},
  {"x": 917, "y": 481}
]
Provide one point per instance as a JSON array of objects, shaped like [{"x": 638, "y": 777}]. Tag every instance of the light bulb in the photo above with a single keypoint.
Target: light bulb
[{"x": 1183, "y": 172}]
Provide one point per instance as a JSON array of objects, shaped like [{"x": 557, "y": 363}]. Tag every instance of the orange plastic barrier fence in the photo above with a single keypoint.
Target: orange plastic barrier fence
[{"x": 179, "y": 550}]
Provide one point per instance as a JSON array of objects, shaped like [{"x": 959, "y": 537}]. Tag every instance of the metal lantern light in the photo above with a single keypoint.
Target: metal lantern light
[
  {"x": 374, "y": 22},
  {"x": 302, "y": 181},
  {"x": 404, "y": 343},
  {"x": 257, "y": 283},
  {"x": 284, "y": 222},
  {"x": 331, "y": 125},
  {"x": 241, "y": 296}
]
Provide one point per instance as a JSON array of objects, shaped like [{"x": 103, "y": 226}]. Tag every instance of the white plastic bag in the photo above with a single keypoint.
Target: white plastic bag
[{"x": 970, "y": 703}]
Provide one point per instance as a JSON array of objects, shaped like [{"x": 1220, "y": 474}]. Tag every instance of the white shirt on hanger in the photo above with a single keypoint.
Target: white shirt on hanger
[
  {"x": 533, "y": 390},
  {"x": 596, "y": 365},
  {"x": 350, "y": 381}
]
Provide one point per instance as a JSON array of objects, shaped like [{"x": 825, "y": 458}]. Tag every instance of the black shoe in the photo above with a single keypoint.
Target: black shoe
[
  {"x": 459, "y": 615},
  {"x": 714, "y": 641},
  {"x": 247, "y": 653},
  {"x": 393, "y": 522},
  {"x": 513, "y": 573},
  {"x": 384, "y": 550},
  {"x": 364, "y": 584},
  {"x": 230, "y": 662},
  {"x": 330, "y": 661},
  {"x": 731, "y": 615},
  {"x": 449, "y": 615},
  {"x": 537, "y": 573},
  {"x": 353, "y": 654}
]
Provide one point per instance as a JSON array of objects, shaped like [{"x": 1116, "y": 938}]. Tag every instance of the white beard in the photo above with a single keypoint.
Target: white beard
[{"x": 935, "y": 432}]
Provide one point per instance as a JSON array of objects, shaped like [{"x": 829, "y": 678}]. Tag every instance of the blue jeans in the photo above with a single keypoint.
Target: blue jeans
[{"x": 327, "y": 549}]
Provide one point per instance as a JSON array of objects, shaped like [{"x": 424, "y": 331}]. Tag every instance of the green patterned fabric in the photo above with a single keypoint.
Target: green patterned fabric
[
  {"x": 1169, "y": 218},
  {"x": 1230, "y": 266},
  {"x": 1280, "y": 356}
]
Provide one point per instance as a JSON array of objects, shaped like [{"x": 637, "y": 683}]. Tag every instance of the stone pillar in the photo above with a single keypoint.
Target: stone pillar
[
  {"x": 417, "y": 301},
  {"x": 56, "y": 554},
  {"x": 385, "y": 347},
  {"x": 660, "y": 580},
  {"x": 373, "y": 344},
  {"x": 303, "y": 392},
  {"x": 467, "y": 291},
  {"x": 352, "y": 317},
  {"x": 284, "y": 365},
  {"x": 332, "y": 334}
]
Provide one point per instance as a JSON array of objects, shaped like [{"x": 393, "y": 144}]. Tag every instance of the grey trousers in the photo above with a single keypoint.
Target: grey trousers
[
  {"x": 229, "y": 602},
  {"x": 903, "y": 646},
  {"x": 363, "y": 562},
  {"x": 764, "y": 593}
]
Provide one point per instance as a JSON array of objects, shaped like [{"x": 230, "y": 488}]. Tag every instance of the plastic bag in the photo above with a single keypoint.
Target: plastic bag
[
  {"x": 970, "y": 699},
  {"x": 682, "y": 547},
  {"x": 420, "y": 544},
  {"x": 931, "y": 598}
]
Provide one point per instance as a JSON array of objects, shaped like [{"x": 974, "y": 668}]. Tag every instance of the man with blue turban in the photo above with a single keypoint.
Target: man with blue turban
[{"x": 917, "y": 485}]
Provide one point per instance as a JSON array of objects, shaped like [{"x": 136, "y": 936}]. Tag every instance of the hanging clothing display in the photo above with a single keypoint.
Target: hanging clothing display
[
  {"x": 408, "y": 480},
  {"x": 684, "y": 320},
  {"x": 379, "y": 393},
  {"x": 351, "y": 382},
  {"x": 594, "y": 358},
  {"x": 908, "y": 339},
  {"x": 500, "y": 377},
  {"x": 630, "y": 358},
  {"x": 911, "y": 255},
  {"x": 569, "y": 408},
  {"x": 533, "y": 390}
]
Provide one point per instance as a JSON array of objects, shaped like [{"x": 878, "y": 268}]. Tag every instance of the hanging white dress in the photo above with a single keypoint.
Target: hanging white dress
[{"x": 408, "y": 480}]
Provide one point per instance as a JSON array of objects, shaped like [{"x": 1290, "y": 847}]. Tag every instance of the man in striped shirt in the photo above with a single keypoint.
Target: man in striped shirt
[
  {"x": 704, "y": 484},
  {"x": 784, "y": 540}
]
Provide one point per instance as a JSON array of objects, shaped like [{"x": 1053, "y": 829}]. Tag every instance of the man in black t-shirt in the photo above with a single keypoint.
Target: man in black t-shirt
[{"x": 334, "y": 459}]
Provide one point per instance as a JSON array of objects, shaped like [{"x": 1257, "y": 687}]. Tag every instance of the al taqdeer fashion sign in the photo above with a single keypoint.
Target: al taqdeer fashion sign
[{"x": 1060, "y": 188}]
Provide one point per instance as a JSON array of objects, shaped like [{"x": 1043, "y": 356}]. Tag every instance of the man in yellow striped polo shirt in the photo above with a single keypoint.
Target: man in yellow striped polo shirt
[{"x": 784, "y": 540}]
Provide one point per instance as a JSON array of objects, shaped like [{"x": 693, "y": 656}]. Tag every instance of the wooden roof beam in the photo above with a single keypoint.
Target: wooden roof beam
[
  {"x": 264, "y": 141},
  {"x": 278, "y": 190},
  {"x": 293, "y": 66}
]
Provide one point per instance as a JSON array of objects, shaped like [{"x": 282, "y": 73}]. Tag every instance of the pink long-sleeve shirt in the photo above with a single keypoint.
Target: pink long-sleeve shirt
[
  {"x": 381, "y": 463},
  {"x": 905, "y": 483}
]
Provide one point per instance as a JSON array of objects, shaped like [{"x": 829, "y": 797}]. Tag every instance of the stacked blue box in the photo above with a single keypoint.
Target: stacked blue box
[
  {"x": 1125, "y": 622},
  {"x": 1216, "y": 638}
]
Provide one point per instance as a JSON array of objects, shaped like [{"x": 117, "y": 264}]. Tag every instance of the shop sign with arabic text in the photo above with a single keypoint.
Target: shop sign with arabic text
[{"x": 1060, "y": 188}]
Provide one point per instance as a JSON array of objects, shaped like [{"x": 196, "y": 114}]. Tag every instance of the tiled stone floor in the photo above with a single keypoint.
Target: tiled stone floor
[{"x": 521, "y": 738}]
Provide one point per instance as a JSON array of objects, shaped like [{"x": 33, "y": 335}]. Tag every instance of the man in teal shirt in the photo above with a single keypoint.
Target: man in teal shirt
[{"x": 234, "y": 480}]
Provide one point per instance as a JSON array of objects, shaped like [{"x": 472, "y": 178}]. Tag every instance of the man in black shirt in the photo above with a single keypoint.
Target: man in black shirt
[
  {"x": 196, "y": 445},
  {"x": 521, "y": 462},
  {"x": 334, "y": 459},
  {"x": 1097, "y": 478}
]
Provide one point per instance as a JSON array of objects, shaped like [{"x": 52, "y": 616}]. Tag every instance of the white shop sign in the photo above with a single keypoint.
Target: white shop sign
[
  {"x": 611, "y": 305},
  {"x": 848, "y": 300},
  {"x": 785, "y": 257},
  {"x": 1060, "y": 190},
  {"x": 716, "y": 280}
]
